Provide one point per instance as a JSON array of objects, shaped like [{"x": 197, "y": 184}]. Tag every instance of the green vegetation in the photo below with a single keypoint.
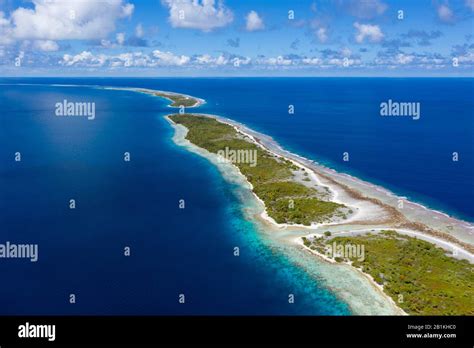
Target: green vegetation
[
  {"x": 418, "y": 275},
  {"x": 177, "y": 100},
  {"x": 287, "y": 200}
]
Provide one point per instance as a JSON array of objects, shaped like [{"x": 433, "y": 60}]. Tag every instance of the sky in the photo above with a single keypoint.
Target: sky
[{"x": 237, "y": 38}]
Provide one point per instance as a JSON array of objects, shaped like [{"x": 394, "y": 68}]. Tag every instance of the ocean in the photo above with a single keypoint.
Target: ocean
[{"x": 190, "y": 251}]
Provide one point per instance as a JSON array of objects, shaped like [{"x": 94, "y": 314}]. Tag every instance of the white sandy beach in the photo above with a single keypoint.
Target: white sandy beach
[
  {"x": 363, "y": 296},
  {"x": 368, "y": 213},
  {"x": 375, "y": 209}
]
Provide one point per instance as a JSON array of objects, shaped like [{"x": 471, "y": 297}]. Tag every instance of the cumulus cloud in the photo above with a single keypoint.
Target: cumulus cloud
[
  {"x": 421, "y": 60},
  {"x": 467, "y": 58},
  {"x": 73, "y": 19},
  {"x": 46, "y": 45},
  {"x": 156, "y": 58},
  {"x": 345, "y": 62},
  {"x": 254, "y": 22},
  {"x": 85, "y": 58},
  {"x": 445, "y": 14},
  {"x": 223, "y": 59},
  {"x": 168, "y": 58},
  {"x": 129, "y": 59},
  {"x": 279, "y": 60},
  {"x": 237, "y": 61},
  {"x": 372, "y": 32},
  {"x": 312, "y": 61},
  {"x": 404, "y": 58},
  {"x": 204, "y": 15},
  {"x": 464, "y": 53}
]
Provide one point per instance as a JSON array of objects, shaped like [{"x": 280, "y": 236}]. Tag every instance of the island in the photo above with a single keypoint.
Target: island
[
  {"x": 275, "y": 180},
  {"x": 421, "y": 278},
  {"x": 420, "y": 259},
  {"x": 177, "y": 100}
]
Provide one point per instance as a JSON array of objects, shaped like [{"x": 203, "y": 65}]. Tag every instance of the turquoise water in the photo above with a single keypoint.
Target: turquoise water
[
  {"x": 173, "y": 251},
  {"x": 190, "y": 251}
]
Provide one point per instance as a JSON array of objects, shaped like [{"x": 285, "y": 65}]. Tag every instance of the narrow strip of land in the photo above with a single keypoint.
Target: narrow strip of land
[{"x": 418, "y": 269}]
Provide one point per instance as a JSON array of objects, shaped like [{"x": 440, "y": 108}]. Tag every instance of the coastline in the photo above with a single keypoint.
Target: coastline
[
  {"x": 162, "y": 94},
  {"x": 374, "y": 205},
  {"x": 364, "y": 299},
  {"x": 438, "y": 219},
  {"x": 371, "y": 280}
]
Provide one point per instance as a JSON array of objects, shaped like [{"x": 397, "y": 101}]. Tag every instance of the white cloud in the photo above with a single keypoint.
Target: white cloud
[
  {"x": 445, "y": 14},
  {"x": 254, "y": 22},
  {"x": 154, "y": 59},
  {"x": 85, "y": 58},
  {"x": 204, "y": 59},
  {"x": 139, "y": 32},
  {"x": 127, "y": 9},
  {"x": 168, "y": 58},
  {"x": 204, "y": 15},
  {"x": 120, "y": 38},
  {"x": 467, "y": 58},
  {"x": 63, "y": 20},
  {"x": 237, "y": 61},
  {"x": 372, "y": 32},
  {"x": 90, "y": 60},
  {"x": 422, "y": 60},
  {"x": 312, "y": 61},
  {"x": 345, "y": 62},
  {"x": 280, "y": 60},
  {"x": 405, "y": 58},
  {"x": 222, "y": 59},
  {"x": 322, "y": 35},
  {"x": 46, "y": 45},
  {"x": 209, "y": 60}
]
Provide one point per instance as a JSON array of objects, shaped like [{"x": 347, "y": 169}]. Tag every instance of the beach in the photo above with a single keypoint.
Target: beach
[
  {"x": 375, "y": 209},
  {"x": 363, "y": 296}
]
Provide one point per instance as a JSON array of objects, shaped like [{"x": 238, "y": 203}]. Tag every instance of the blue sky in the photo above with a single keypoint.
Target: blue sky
[{"x": 237, "y": 38}]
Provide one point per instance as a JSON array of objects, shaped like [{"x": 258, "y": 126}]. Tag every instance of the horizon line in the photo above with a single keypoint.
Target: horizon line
[{"x": 225, "y": 77}]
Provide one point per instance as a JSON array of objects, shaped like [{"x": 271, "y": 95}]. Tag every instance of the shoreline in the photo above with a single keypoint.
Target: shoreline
[
  {"x": 347, "y": 189},
  {"x": 455, "y": 234},
  {"x": 270, "y": 229},
  {"x": 374, "y": 284},
  {"x": 318, "y": 170},
  {"x": 161, "y": 94}
]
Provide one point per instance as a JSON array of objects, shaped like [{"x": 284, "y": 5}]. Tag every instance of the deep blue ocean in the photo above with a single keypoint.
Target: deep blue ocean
[{"x": 190, "y": 250}]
